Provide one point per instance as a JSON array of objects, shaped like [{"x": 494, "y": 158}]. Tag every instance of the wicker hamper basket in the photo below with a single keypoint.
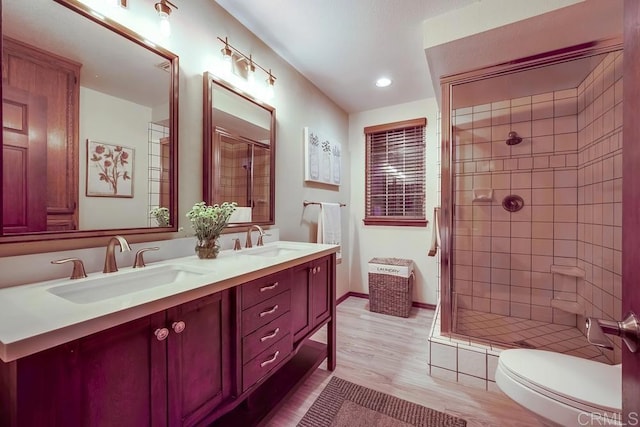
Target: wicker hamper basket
[{"x": 391, "y": 286}]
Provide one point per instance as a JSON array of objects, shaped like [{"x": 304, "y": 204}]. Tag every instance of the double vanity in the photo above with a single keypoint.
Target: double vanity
[{"x": 181, "y": 342}]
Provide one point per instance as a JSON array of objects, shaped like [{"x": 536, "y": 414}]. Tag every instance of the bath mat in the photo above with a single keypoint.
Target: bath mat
[{"x": 344, "y": 404}]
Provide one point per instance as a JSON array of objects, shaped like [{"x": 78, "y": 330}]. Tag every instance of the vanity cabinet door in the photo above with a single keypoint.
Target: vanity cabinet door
[
  {"x": 310, "y": 296},
  {"x": 199, "y": 358},
  {"x": 119, "y": 376},
  {"x": 320, "y": 296},
  {"x": 33, "y": 390}
]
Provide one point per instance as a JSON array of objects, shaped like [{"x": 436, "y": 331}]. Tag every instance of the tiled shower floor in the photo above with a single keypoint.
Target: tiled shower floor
[{"x": 524, "y": 333}]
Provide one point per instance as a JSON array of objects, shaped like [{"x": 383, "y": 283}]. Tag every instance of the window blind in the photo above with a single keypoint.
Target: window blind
[{"x": 395, "y": 173}]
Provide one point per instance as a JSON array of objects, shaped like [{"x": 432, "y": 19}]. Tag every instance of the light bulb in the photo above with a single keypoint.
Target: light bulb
[
  {"x": 164, "y": 11},
  {"x": 269, "y": 91},
  {"x": 165, "y": 25}
]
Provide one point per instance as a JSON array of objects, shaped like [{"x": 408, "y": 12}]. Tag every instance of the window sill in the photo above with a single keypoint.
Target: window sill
[{"x": 396, "y": 222}]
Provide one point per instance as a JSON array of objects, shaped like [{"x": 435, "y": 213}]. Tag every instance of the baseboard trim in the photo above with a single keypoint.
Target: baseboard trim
[
  {"x": 343, "y": 297},
  {"x": 362, "y": 295}
]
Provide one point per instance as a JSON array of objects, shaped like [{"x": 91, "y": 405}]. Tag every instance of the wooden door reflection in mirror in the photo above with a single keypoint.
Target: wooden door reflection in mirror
[
  {"x": 84, "y": 78},
  {"x": 239, "y": 152}
]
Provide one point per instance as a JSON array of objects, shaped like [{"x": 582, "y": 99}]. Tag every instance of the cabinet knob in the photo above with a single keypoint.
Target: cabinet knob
[
  {"x": 161, "y": 334},
  {"x": 178, "y": 327}
]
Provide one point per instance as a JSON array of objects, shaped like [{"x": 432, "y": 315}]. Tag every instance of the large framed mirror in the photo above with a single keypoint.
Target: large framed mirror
[
  {"x": 89, "y": 113},
  {"x": 239, "y": 152}
]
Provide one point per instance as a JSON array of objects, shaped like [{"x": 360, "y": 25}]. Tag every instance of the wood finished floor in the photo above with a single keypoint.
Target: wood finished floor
[{"x": 389, "y": 354}]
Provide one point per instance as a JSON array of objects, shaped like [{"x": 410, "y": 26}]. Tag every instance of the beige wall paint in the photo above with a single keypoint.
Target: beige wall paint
[{"x": 400, "y": 242}]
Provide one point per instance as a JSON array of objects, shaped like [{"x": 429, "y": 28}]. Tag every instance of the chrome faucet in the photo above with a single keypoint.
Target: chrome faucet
[
  {"x": 110, "y": 265},
  {"x": 248, "y": 243}
]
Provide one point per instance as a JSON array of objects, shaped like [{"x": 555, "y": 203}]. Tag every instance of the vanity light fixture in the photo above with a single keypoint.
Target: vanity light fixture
[
  {"x": 163, "y": 7},
  {"x": 229, "y": 51}
]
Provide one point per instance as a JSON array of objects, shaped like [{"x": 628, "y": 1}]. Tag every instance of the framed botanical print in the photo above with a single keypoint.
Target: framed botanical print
[{"x": 109, "y": 170}]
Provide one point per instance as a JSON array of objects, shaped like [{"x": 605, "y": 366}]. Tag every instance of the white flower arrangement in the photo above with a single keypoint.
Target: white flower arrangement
[
  {"x": 161, "y": 214},
  {"x": 209, "y": 221}
]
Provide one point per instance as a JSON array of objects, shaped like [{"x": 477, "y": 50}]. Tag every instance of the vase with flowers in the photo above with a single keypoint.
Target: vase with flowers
[
  {"x": 161, "y": 214},
  {"x": 207, "y": 223}
]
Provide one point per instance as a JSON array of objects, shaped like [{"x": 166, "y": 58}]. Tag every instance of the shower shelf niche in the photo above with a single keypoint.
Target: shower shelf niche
[
  {"x": 483, "y": 194},
  {"x": 568, "y": 270},
  {"x": 568, "y": 306}
]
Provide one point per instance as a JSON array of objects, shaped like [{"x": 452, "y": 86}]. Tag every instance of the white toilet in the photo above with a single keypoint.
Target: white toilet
[{"x": 562, "y": 389}]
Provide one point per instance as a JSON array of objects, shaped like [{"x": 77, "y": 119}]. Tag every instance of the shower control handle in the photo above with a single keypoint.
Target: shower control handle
[{"x": 628, "y": 329}]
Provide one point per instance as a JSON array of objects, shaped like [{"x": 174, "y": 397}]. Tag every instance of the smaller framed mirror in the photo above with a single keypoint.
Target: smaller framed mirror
[{"x": 239, "y": 152}]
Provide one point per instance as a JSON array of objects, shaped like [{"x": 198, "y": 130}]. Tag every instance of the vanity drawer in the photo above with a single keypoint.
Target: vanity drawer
[
  {"x": 264, "y": 288},
  {"x": 266, "y": 361},
  {"x": 256, "y": 342},
  {"x": 264, "y": 312}
]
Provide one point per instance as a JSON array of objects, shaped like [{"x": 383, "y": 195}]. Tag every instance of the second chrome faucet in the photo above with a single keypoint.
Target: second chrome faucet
[
  {"x": 248, "y": 243},
  {"x": 110, "y": 265}
]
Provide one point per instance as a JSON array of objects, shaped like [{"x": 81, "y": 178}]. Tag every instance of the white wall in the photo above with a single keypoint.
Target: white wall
[
  {"x": 118, "y": 122},
  {"x": 400, "y": 242}
]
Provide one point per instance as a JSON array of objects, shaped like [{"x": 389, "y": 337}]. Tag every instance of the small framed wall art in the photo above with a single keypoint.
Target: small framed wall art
[
  {"x": 109, "y": 170},
  {"x": 322, "y": 158}
]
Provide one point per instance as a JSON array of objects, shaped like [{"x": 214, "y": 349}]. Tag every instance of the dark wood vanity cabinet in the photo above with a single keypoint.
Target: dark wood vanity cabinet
[
  {"x": 110, "y": 378},
  {"x": 117, "y": 377},
  {"x": 141, "y": 373},
  {"x": 199, "y": 358},
  {"x": 265, "y": 327},
  {"x": 189, "y": 365}
]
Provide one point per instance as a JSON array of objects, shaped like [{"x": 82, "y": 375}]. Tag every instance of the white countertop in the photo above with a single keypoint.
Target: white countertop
[{"x": 33, "y": 319}]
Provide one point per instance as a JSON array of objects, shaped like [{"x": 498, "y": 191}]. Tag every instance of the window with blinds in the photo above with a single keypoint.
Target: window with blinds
[{"x": 395, "y": 173}]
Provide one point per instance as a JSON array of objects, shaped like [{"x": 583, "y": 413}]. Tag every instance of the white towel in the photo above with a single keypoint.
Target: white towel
[
  {"x": 241, "y": 214},
  {"x": 435, "y": 234},
  {"x": 329, "y": 225}
]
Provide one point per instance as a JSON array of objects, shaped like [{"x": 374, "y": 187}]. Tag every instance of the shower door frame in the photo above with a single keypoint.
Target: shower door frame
[{"x": 447, "y": 83}]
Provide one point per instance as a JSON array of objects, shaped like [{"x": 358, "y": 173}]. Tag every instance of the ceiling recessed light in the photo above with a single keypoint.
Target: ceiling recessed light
[{"x": 383, "y": 82}]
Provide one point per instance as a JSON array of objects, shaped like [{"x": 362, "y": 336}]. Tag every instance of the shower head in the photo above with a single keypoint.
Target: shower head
[{"x": 513, "y": 138}]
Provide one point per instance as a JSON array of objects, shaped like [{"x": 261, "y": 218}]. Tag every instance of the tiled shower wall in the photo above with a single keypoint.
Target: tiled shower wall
[
  {"x": 502, "y": 260},
  {"x": 600, "y": 192},
  {"x": 568, "y": 170},
  {"x": 158, "y": 171},
  {"x": 261, "y": 183},
  {"x": 239, "y": 168},
  {"x": 235, "y": 173}
]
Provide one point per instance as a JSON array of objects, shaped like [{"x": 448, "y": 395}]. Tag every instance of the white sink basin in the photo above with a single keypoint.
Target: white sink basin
[
  {"x": 272, "y": 250},
  {"x": 94, "y": 289}
]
